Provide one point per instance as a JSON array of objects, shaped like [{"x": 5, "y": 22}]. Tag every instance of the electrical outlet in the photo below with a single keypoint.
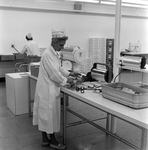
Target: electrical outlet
[{"x": 12, "y": 45}]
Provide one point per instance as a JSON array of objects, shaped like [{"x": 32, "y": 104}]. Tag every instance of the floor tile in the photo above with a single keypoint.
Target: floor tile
[{"x": 18, "y": 133}]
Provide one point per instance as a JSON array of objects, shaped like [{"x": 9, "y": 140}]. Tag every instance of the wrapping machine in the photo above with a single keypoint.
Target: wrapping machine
[{"x": 136, "y": 61}]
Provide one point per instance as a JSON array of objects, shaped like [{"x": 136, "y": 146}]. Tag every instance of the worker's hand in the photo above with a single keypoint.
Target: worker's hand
[
  {"x": 70, "y": 79},
  {"x": 80, "y": 79},
  {"x": 74, "y": 74}
]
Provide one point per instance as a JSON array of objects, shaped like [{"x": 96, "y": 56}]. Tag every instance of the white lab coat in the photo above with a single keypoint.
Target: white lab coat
[
  {"x": 31, "y": 48},
  {"x": 46, "y": 110}
]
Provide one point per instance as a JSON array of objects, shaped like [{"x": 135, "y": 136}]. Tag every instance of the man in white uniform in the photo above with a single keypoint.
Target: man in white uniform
[
  {"x": 31, "y": 47},
  {"x": 46, "y": 110}
]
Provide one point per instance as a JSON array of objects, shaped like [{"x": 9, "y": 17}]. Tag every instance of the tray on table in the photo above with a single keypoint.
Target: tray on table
[{"x": 129, "y": 95}]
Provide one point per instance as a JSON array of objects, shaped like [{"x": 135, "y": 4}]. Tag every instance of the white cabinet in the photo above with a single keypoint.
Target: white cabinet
[{"x": 17, "y": 93}]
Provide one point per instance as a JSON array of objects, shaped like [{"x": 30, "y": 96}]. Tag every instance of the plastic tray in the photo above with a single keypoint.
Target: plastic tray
[{"x": 132, "y": 96}]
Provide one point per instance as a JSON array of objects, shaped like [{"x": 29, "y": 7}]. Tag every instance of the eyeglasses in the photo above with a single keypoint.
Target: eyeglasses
[{"x": 62, "y": 42}]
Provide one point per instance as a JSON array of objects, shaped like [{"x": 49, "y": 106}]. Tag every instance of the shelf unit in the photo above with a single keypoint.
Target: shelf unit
[{"x": 137, "y": 69}]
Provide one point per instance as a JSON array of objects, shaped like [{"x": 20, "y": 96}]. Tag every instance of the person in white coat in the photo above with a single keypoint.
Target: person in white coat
[
  {"x": 31, "y": 47},
  {"x": 46, "y": 109}
]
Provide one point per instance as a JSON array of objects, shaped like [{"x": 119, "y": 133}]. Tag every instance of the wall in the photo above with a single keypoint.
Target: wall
[
  {"x": 16, "y": 22},
  {"x": 134, "y": 30}
]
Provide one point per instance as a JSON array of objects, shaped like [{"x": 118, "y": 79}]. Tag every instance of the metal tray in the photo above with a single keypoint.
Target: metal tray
[
  {"x": 141, "y": 85},
  {"x": 132, "y": 96}
]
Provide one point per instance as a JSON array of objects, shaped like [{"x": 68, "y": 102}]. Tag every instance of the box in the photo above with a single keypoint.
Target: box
[
  {"x": 129, "y": 95},
  {"x": 34, "y": 69},
  {"x": 17, "y": 95},
  {"x": 7, "y": 57}
]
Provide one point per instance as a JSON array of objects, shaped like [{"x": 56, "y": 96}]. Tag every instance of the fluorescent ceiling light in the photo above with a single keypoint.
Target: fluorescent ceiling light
[
  {"x": 137, "y": 6},
  {"x": 141, "y": 2},
  {"x": 86, "y": 1},
  {"x": 128, "y": 3},
  {"x": 108, "y": 2}
]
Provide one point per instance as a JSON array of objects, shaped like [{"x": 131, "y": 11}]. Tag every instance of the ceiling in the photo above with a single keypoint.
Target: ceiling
[{"x": 125, "y": 3}]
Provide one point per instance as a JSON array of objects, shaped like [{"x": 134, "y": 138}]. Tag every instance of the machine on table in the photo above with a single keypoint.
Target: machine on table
[
  {"x": 93, "y": 79},
  {"x": 99, "y": 74},
  {"x": 132, "y": 95},
  {"x": 75, "y": 55},
  {"x": 133, "y": 60}
]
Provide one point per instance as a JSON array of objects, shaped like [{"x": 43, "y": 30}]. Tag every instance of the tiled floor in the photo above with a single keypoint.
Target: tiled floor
[{"x": 18, "y": 133}]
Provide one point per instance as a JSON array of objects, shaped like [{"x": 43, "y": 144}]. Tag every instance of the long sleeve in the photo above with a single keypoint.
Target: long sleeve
[
  {"x": 24, "y": 50},
  {"x": 64, "y": 72},
  {"x": 51, "y": 64}
]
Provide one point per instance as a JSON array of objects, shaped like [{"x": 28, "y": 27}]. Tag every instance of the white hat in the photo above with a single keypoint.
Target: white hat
[
  {"x": 59, "y": 34},
  {"x": 29, "y": 36}
]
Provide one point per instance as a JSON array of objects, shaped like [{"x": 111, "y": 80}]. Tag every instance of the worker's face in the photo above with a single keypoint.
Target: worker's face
[{"x": 60, "y": 44}]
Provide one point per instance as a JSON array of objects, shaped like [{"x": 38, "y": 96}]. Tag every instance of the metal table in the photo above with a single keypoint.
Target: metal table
[
  {"x": 138, "y": 118},
  {"x": 135, "y": 117}
]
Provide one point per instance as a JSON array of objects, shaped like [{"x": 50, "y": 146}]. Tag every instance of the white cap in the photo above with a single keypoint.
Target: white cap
[
  {"x": 29, "y": 36},
  {"x": 59, "y": 34}
]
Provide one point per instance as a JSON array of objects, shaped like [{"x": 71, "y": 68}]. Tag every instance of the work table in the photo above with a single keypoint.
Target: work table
[{"x": 135, "y": 116}]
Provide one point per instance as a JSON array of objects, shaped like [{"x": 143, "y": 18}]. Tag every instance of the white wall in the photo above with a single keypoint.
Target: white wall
[
  {"x": 16, "y": 23},
  {"x": 79, "y": 28},
  {"x": 134, "y": 30}
]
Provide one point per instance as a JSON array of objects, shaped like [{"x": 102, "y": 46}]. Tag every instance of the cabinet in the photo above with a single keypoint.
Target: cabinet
[{"x": 17, "y": 93}]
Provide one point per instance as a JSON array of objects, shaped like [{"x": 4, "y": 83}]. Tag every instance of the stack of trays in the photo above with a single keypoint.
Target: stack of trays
[
  {"x": 82, "y": 67},
  {"x": 97, "y": 49},
  {"x": 88, "y": 65}
]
